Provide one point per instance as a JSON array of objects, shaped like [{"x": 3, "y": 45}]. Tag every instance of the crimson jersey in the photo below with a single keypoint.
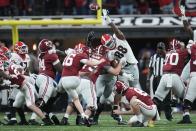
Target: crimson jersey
[
  {"x": 72, "y": 64},
  {"x": 18, "y": 71},
  {"x": 175, "y": 61},
  {"x": 1, "y": 65},
  {"x": 100, "y": 70},
  {"x": 141, "y": 95},
  {"x": 193, "y": 59},
  {"x": 46, "y": 64}
]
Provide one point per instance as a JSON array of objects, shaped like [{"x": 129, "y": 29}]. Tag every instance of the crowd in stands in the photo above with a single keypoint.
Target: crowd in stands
[{"x": 81, "y": 7}]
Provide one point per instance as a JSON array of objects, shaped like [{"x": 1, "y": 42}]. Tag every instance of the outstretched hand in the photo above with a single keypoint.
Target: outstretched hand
[
  {"x": 182, "y": 9},
  {"x": 106, "y": 16}
]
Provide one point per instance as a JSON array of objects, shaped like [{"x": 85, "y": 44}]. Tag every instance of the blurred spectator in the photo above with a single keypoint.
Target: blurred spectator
[
  {"x": 68, "y": 7},
  {"x": 142, "y": 7},
  {"x": 50, "y": 7},
  {"x": 154, "y": 6},
  {"x": 25, "y": 7},
  {"x": 81, "y": 7},
  {"x": 166, "y": 6},
  {"x": 143, "y": 66},
  {"x": 127, "y": 6},
  {"x": 2, "y": 43},
  {"x": 111, "y": 5},
  {"x": 4, "y": 7}
]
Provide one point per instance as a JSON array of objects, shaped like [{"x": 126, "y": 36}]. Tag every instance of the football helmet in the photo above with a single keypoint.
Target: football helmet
[
  {"x": 108, "y": 41},
  {"x": 5, "y": 51},
  {"x": 3, "y": 57},
  {"x": 174, "y": 44},
  {"x": 21, "y": 48},
  {"x": 45, "y": 45},
  {"x": 120, "y": 87},
  {"x": 79, "y": 47}
]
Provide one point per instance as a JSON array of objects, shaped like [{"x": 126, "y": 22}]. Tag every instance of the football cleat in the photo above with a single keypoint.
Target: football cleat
[
  {"x": 33, "y": 122},
  {"x": 137, "y": 124},
  {"x": 64, "y": 121},
  {"x": 87, "y": 122},
  {"x": 23, "y": 123},
  {"x": 46, "y": 121},
  {"x": 12, "y": 122},
  {"x": 185, "y": 120},
  {"x": 55, "y": 120}
]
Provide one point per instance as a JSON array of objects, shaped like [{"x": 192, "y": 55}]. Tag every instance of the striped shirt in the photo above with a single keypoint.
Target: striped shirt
[{"x": 156, "y": 63}]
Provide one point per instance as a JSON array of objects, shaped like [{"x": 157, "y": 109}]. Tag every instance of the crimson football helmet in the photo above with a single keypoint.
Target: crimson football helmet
[
  {"x": 108, "y": 41},
  {"x": 174, "y": 44},
  {"x": 120, "y": 87},
  {"x": 5, "y": 51},
  {"x": 21, "y": 48},
  {"x": 3, "y": 57},
  {"x": 45, "y": 45},
  {"x": 79, "y": 47}
]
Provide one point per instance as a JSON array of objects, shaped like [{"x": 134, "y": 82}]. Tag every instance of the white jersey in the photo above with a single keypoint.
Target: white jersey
[
  {"x": 16, "y": 59},
  {"x": 122, "y": 50}
]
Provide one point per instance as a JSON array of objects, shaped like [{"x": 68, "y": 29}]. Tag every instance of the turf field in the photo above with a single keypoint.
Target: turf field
[{"x": 106, "y": 123}]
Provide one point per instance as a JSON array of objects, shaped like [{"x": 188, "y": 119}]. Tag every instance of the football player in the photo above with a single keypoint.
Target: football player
[
  {"x": 172, "y": 69},
  {"x": 18, "y": 57},
  {"x": 118, "y": 48},
  {"x": 49, "y": 65},
  {"x": 190, "y": 92},
  {"x": 141, "y": 105},
  {"x": 26, "y": 93},
  {"x": 70, "y": 80}
]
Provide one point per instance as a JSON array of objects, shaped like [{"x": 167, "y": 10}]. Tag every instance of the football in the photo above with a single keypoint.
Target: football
[{"x": 94, "y": 6}]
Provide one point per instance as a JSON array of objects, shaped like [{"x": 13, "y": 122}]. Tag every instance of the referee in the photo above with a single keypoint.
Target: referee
[{"x": 155, "y": 74}]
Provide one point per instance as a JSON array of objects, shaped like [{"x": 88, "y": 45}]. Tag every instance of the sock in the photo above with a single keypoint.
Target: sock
[
  {"x": 66, "y": 115},
  {"x": 186, "y": 113},
  {"x": 140, "y": 118},
  {"x": 33, "y": 116},
  {"x": 21, "y": 114}
]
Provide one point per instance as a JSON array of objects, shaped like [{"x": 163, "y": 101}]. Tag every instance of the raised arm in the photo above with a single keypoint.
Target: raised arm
[
  {"x": 186, "y": 24},
  {"x": 115, "y": 29}
]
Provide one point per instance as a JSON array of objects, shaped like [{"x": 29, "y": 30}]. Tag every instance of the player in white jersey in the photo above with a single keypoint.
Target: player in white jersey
[
  {"x": 118, "y": 48},
  {"x": 19, "y": 57}
]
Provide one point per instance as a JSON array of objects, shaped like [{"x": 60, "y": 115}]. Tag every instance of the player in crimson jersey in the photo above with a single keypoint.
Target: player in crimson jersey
[
  {"x": 140, "y": 102},
  {"x": 172, "y": 69},
  {"x": 70, "y": 79},
  {"x": 26, "y": 92},
  {"x": 49, "y": 65},
  {"x": 86, "y": 90},
  {"x": 190, "y": 93}
]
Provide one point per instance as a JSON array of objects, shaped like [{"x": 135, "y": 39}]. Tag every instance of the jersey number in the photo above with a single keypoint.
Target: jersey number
[
  {"x": 121, "y": 51},
  {"x": 172, "y": 58},
  {"x": 69, "y": 60},
  {"x": 140, "y": 92},
  {"x": 42, "y": 64}
]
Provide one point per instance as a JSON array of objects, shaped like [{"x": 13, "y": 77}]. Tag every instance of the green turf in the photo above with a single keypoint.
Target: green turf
[{"x": 106, "y": 123}]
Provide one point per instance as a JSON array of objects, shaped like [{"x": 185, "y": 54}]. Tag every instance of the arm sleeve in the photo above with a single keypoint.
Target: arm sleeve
[{"x": 54, "y": 59}]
